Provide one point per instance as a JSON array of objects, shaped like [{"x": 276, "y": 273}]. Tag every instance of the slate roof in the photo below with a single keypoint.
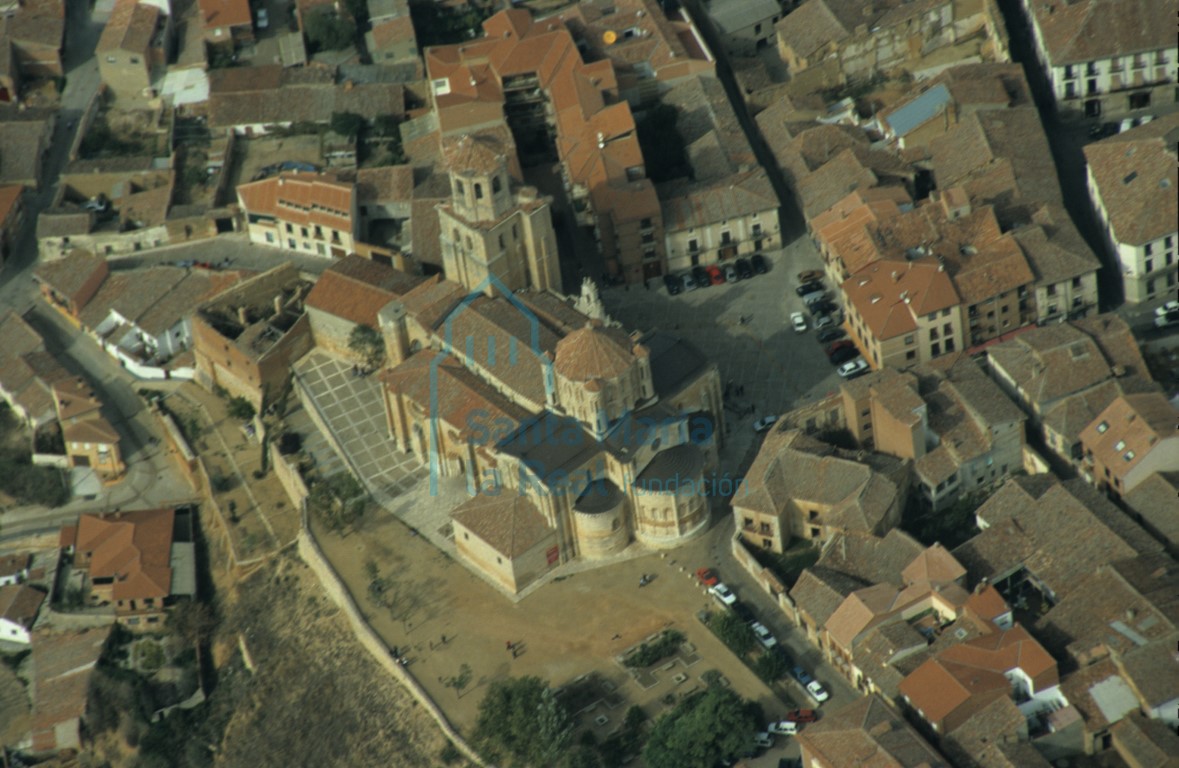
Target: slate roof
[
  {"x": 1079, "y": 31},
  {"x": 1137, "y": 176},
  {"x": 509, "y": 522}
]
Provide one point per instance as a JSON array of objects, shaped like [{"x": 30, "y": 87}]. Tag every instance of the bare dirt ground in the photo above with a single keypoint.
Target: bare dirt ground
[
  {"x": 316, "y": 697},
  {"x": 252, "y": 155}
]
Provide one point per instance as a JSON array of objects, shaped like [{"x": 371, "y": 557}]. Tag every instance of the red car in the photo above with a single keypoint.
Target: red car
[
  {"x": 833, "y": 348},
  {"x": 707, "y": 577},
  {"x": 715, "y": 275},
  {"x": 801, "y": 716}
]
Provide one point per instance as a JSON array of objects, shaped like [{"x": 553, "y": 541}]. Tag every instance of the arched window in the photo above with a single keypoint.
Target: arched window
[
  {"x": 495, "y": 185},
  {"x": 478, "y": 191}
]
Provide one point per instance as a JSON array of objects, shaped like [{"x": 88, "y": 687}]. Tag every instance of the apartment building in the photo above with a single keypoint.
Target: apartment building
[
  {"x": 1133, "y": 182},
  {"x": 307, "y": 212},
  {"x": 1129, "y": 441},
  {"x": 132, "y": 48},
  {"x": 1106, "y": 58}
]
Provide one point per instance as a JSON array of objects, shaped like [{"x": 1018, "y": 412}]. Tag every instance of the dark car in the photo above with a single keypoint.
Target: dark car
[
  {"x": 673, "y": 283},
  {"x": 806, "y": 288},
  {"x": 841, "y": 356},
  {"x": 743, "y": 612},
  {"x": 830, "y": 334},
  {"x": 700, "y": 275},
  {"x": 845, "y": 344},
  {"x": 744, "y": 270},
  {"x": 759, "y": 263},
  {"x": 823, "y": 308}
]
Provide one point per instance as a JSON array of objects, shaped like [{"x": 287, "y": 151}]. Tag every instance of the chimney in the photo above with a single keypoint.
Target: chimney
[
  {"x": 896, "y": 276},
  {"x": 278, "y": 304},
  {"x": 241, "y": 316}
]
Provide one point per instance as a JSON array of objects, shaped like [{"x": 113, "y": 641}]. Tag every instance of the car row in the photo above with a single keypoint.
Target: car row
[
  {"x": 813, "y": 687},
  {"x": 716, "y": 274}
]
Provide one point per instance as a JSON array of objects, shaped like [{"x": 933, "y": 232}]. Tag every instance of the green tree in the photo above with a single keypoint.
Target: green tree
[
  {"x": 771, "y": 666},
  {"x": 733, "y": 632},
  {"x": 338, "y": 501},
  {"x": 554, "y": 731},
  {"x": 702, "y": 730},
  {"x": 462, "y": 679},
  {"x": 347, "y": 123},
  {"x": 240, "y": 408},
  {"x": 327, "y": 30},
  {"x": 520, "y": 716},
  {"x": 583, "y": 757},
  {"x": 367, "y": 342}
]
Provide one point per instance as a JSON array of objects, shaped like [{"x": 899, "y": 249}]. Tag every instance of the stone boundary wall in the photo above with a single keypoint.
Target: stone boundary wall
[
  {"x": 288, "y": 476},
  {"x": 765, "y": 578},
  {"x": 311, "y": 554}
]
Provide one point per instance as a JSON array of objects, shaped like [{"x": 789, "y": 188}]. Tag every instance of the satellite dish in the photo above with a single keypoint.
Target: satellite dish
[{"x": 609, "y": 36}]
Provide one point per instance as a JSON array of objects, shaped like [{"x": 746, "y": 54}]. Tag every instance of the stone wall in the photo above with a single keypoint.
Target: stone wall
[{"x": 764, "y": 577}]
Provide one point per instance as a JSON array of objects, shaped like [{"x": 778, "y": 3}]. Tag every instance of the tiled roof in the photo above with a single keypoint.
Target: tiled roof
[
  {"x": 1135, "y": 425},
  {"x": 1137, "y": 176},
  {"x": 1054, "y": 247},
  {"x": 148, "y": 208},
  {"x": 11, "y": 565},
  {"x": 19, "y": 604},
  {"x": 425, "y": 231},
  {"x": 75, "y": 398},
  {"x": 871, "y": 559},
  {"x": 70, "y": 275},
  {"x": 271, "y": 94},
  {"x": 1099, "y": 694},
  {"x": 595, "y": 351},
  {"x": 869, "y": 734},
  {"x": 93, "y": 430},
  {"x": 392, "y": 183},
  {"x": 9, "y": 195},
  {"x": 62, "y": 665},
  {"x": 39, "y": 22},
  {"x": 301, "y": 198},
  {"x": 24, "y": 142},
  {"x": 1116, "y": 341},
  {"x": 390, "y": 32},
  {"x": 134, "y": 548},
  {"x": 811, "y": 26},
  {"x": 1153, "y": 669},
  {"x": 732, "y": 16},
  {"x": 891, "y": 294},
  {"x": 1051, "y": 362},
  {"x": 832, "y": 182},
  {"x": 1154, "y": 501},
  {"x": 432, "y": 300},
  {"x": 473, "y": 153},
  {"x": 1145, "y": 741},
  {"x": 933, "y": 564},
  {"x": 225, "y": 13},
  {"x": 819, "y": 591},
  {"x": 355, "y": 289},
  {"x": 1079, "y": 31},
  {"x": 688, "y": 205},
  {"x": 998, "y": 722},
  {"x": 509, "y": 523},
  {"x": 129, "y": 28},
  {"x": 888, "y": 652},
  {"x": 27, "y": 372}
]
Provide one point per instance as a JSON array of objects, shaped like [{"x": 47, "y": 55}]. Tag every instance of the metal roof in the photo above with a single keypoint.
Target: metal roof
[{"x": 919, "y": 110}]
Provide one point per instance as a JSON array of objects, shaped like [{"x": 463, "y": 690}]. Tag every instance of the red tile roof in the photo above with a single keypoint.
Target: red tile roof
[
  {"x": 301, "y": 198},
  {"x": 225, "y": 13},
  {"x": 134, "y": 548},
  {"x": 9, "y": 195},
  {"x": 355, "y": 288},
  {"x": 62, "y": 665},
  {"x": 595, "y": 352},
  {"x": 19, "y": 604},
  {"x": 890, "y": 295}
]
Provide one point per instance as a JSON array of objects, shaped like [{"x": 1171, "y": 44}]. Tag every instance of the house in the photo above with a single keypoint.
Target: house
[
  {"x": 27, "y": 372},
  {"x": 62, "y": 663},
  {"x": 1105, "y": 58},
  {"x": 1152, "y": 503},
  {"x": 247, "y": 338},
  {"x": 1141, "y": 741},
  {"x": 138, "y": 563},
  {"x": 307, "y": 212},
  {"x": 132, "y": 47},
  {"x": 847, "y": 41},
  {"x": 90, "y": 440},
  {"x": 745, "y": 26},
  {"x": 14, "y": 569},
  {"x": 255, "y": 100},
  {"x": 392, "y": 40},
  {"x": 19, "y": 605},
  {"x": 866, "y": 727},
  {"x": 12, "y": 218},
  {"x": 1130, "y": 440},
  {"x": 26, "y": 135},
  {"x": 1039, "y": 536},
  {"x": 226, "y": 22},
  {"x": 948, "y": 689},
  {"x": 800, "y": 487},
  {"x": 1064, "y": 375},
  {"x": 1132, "y": 181},
  {"x": 349, "y": 294},
  {"x": 995, "y": 735},
  {"x": 36, "y": 32},
  {"x": 494, "y": 237},
  {"x": 71, "y": 282},
  {"x": 529, "y": 78}
]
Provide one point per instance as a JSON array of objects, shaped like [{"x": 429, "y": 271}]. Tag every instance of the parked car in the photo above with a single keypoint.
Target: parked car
[
  {"x": 853, "y": 368},
  {"x": 808, "y": 288},
  {"x": 824, "y": 321},
  {"x": 263, "y": 18},
  {"x": 689, "y": 281},
  {"x": 674, "y": 284},
  {"x": 731, "y": 273},
  {"x": 801, "y": 675},
  {"x": 707, "y": 577},
  {"x": 823, "y": 306},
  {"x": 783, "y": 728},
  {"x": 764, "y": 423},
  {"x": 813, "y": 298},
  {"x": 744, "y": 269},
  {"x": 810, "y": 276},
  {"x": 743, "y": 612},
  {"x": 1166, "y": 309},
  {"x": 759, "y": 263},
  {"x": 842, "y": 356},
  {"x": 789, "y": 762},
  {"x": 802, "y": 716},
  {"x": 817, "y": 691},
  {"x": 763, "y": 740},
  {"x": 700, "y": 275},
  {"x": 715, "y": 275},
  {"x": 1171, "y": 318},
  {"x": 798, "y": 320},
  {"x": 722, "y": 593},
  {"x": 830, "y": 334},
  {"x": 838, "y": 345},
  {"x": 764, "y": 636}
]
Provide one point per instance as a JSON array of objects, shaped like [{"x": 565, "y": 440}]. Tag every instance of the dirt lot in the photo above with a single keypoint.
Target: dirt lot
[
  {"x": 316, "y": 697},
  {"x": 252, "y": 155}
]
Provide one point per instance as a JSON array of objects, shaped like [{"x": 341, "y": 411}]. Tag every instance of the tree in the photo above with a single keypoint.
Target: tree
[
  {"x": 461, "y": 680},
  {"x": 327, "y": 30},
  {"x": 193, "y": 621},
  {"x": 771, "y": 666},
  {"x": 338, "y": 501},
  {"x": 733, "y": 632},
  {"x": 240, "y": 408},
  {"x": 520, "y": 716},
  {"x": 702, "y": 730},
  {"x": 367, "y": 342},
  {"x": 347, "y": 123}
]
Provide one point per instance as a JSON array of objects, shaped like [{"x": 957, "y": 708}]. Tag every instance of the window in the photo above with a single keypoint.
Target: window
[
  {"x": 757, "y": 29},
  {"x": 948, "y": 329},
  {"x": 911, "y": 354},
  {"x": 935, "y": 349},
  {"x": 290, "y": 229},
  {"x": 1076, "y": 282},
  {"x": 290, "y": 243},
  {"x": 949, "y": 345},
  {"x": 459, "y": 190},
  {"x": 1102, "y": 427},
  {"x": 1129, "y": 456},
  {"x": 645, "y": 223},
  {"x": 1068, "y": 72},
  {"x": 303, "y": 230},
  {"x": 1149, "y": 249},
  {"x": 501, "y": 242},
  {"x": 495, "y": 185},
  {"x": 1168, "y": 242},
  {"x": 1148, "y": 266},
  {"x": 946, "y": 312},
  {"x": 478, "y": 191},
  {"x": 908, "y": 340},
  {"x": 1052, "y": 290},
  {"x": 693, "y": 246},
  {"x": 270, "y": 237},
  {"x": 134, "y": 59},
  {"x": 1119, "y": 445}
]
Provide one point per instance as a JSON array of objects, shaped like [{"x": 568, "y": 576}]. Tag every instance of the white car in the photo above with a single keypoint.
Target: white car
[
  {"x": 764, "y": 423},
  {"x": 783, "y": 728},
  {"x": 763, "y": 740},
  {"x": 1171, "y": 318},
  {"x": 798, "y": 320},
  {"x": 1164, "y": 310},
  {"x": 764, "y": 636},
  {"x": 853, "y": 368},
  {"x": 722, "y": 593},
  {"x": 817, "y": 691}
]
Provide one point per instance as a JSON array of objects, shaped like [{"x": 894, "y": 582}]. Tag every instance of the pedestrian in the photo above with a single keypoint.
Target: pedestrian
[
  {"x": 616, "y": 637},
  {"x": 508, "y": 645},
  {"x": 513, "y": 653},
  {"x": 443, "y": 640}
]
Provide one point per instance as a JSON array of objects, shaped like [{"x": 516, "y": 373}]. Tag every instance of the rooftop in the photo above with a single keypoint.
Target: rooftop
[
  {"x": 869, "y": 734},
  {"x": 356, "y": 288},
  {"x": 890, "y": 295},
  {"x": 510, "y": 523},
  {"x": 130, "y": 27},
  {"x": 1129, "y": 430},
  {"x": 133, "y": 548},
  {"x": 1079, "y": 31}
]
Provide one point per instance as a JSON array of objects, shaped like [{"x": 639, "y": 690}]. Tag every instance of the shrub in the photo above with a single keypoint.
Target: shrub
[{"x": 657, "y": 651}]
